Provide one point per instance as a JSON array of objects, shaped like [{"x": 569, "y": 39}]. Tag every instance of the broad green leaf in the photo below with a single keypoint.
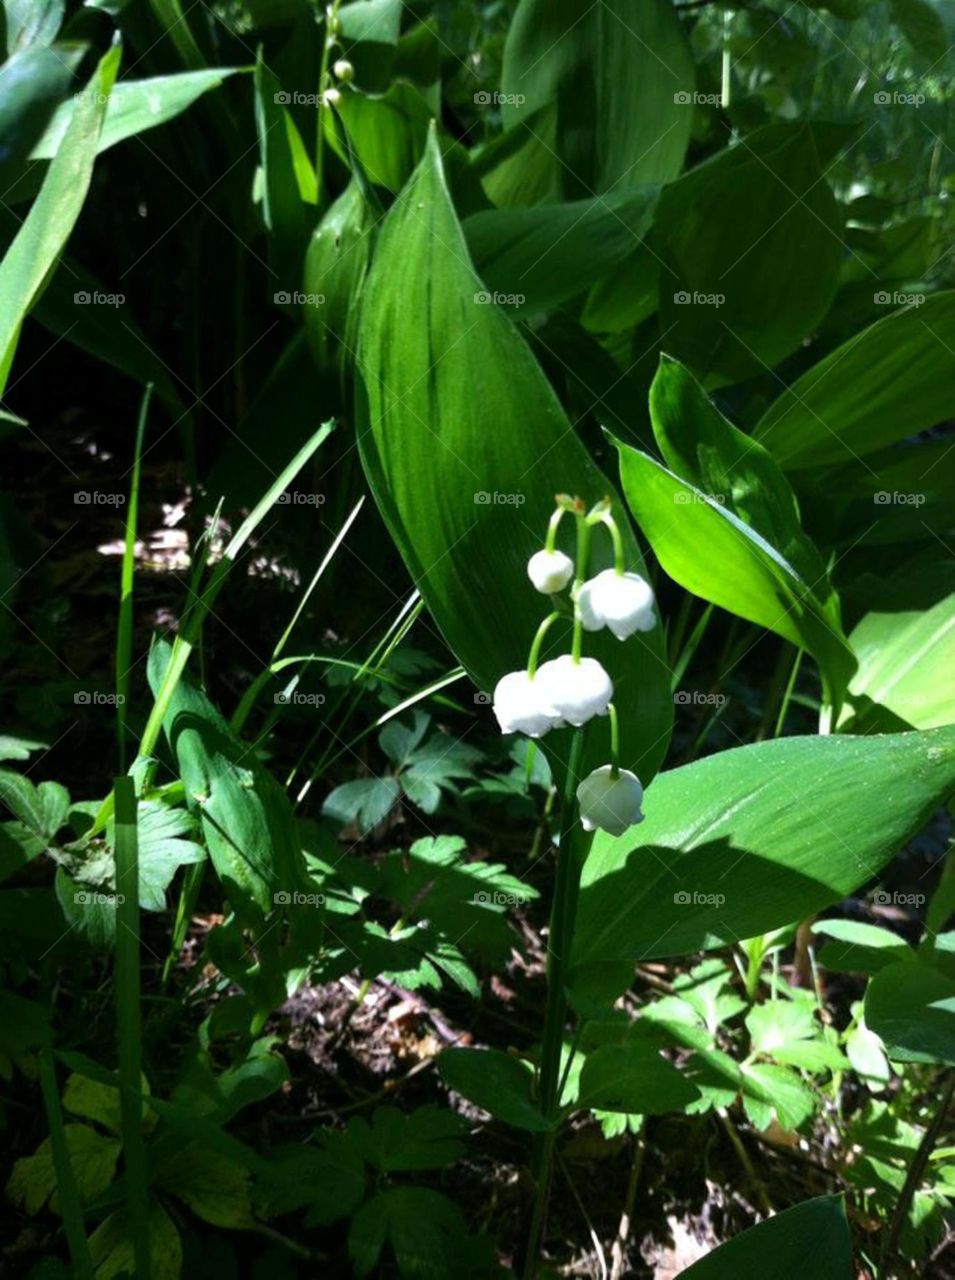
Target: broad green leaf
[
  {"x": 395, "y": 1141},
  {"x": 215, "y": 1188},
  {"x": 283, "y": 210},
  {"x": 906, "y": 660},
  {"x": 753, "y": 838},
  {"x": 31, "y": 22},
  {"x": 135, "y": 106},
  {"x": 425, "y": 1230},
  {"x": 368, "y": 38},
  {"x": 336, "y": 264},
  {"x": 912, "y": 1008},
  {"x": 13, "y": 747},
  {"x": 621, "y": 76},
  {"x": 32, "y": 82},
  {"x": 495, "y": 1082},
  {"x": 363, "y": 801},
  {"x": 858, "y": 947},
  {"x": 635, "y": 1079},
  {"x": 811, "y": 1239},
  {"x": 92, "y": 1155},
  {"x": 888, "y": 382},
  {"x": 111, "y": 1246},
  {"x": 249, "y": 834},
  {"x": 788, "y": 1033},
  {"x": 47, "y": 226},
  {"x": 465, "y": 445},
  {"x": 388, "y": 133},
  {"x": 536, "y": 258},
  {"x": 700, "y": 445},
  {"x": 771, "y": 1092},
  {"x": 42, "y": 810},
  {"x": 708, "y": 550},
  {"x": 752, "y": 239}
]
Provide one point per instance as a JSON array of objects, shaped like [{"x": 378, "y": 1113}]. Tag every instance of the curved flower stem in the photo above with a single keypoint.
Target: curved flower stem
[
  {"x": 535, "y": 651},
  {"x": 560, "y": 935},
  {"x": 583, "y": 559},
  {"x": 614, "y": 741},
  {"x": 619, "y": 559},
  {"x": 550, "y": 542}
]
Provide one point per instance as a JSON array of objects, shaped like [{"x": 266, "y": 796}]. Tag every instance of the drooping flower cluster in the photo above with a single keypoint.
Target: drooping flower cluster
[{"x": 572, "y": 689}]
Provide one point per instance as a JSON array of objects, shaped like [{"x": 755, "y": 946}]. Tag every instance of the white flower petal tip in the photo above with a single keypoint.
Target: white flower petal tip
[
  {"x": 621, "y": 601},
  {"x": 550, "y": 571},
  {"x": 575, "y": 691},
  {"x": 520, "y": 707},
  {"x": 610, "y": 804}
]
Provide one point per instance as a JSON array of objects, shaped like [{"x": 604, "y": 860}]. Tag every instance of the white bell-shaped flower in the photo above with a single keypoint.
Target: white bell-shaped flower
[
  {"x": 520, "y": 706},
  {"x": 550, "y": 571},
  {"x": 575, "y": 692},
  {"x": 621, "y": 601},
  {"x": 609, "y": 803}
]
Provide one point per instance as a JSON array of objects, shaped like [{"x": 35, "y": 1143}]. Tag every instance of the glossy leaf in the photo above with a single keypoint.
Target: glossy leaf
[
  {"x": 465, "y": 445},
  {"x": 708, "y": 550},
  {"x": 884, "y": 384},
  {"x": 544, "y": 255},
  {"x": 752, "y": 239},
  {"x": 495, "y": 1082},
  {"x": 811, "y": 1239},
  {"x": 702, "y": 446},
  {"x": 388, "y": 133},
  {"x": 621, "y": 76},
  {"x": 906, "y": 660},
  {"x": 912, "y": 1008},
  {"x": 135, "y": 106},
  {"x": 754, "y": 838},
  {"x": 857, "y": 947},
  {"x": 47, "y": 227},
  {"x": 634, "y": 1079}
]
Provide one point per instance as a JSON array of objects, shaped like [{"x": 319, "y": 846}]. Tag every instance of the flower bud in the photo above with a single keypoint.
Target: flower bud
[
  {"x": 609, "y": 803},
  {"x": 575, "y": 691},
  {"x": 331, "y": 97},
  {"x": 621, "y": 601},
  {"x": 520, "y": 707},
  {"x": 344, "y": 71},
  {"x": 550, "y": 571}
]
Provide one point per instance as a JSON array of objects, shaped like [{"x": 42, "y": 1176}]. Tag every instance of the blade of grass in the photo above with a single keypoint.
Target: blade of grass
[
  {"x": 71, "y": 1208},
  {"x": 124, "y": 630},
  {"x": 128, "y": 1019}
]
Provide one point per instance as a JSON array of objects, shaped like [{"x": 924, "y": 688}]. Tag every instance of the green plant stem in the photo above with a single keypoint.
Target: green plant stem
[
  {"x": 70, "y": 1205},
  {"x": 583, "y": 560},
  {"x": 330, "y": 34},
  {"x": 619, "y": 557},
  {"x": 614, "y": 741},
  {"x": 787, "y": 695},
  {"x": 124, "y": 628},
  {"x": 535, "y": 652},
  {"x": 560, "y": 935},
  {"x": 128, "y": 1020},
  {"x": 188, "y": 896},
  {"x": 914, "y": 1175}
]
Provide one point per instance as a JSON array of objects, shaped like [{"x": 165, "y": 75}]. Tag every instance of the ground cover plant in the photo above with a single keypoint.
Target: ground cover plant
[{"x": 478, "y": 633}]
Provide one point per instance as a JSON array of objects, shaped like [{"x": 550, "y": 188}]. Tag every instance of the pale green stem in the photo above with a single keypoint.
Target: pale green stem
[
  {"x": 614, "y": 741},
  {"x": 534, "y": 656}
]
